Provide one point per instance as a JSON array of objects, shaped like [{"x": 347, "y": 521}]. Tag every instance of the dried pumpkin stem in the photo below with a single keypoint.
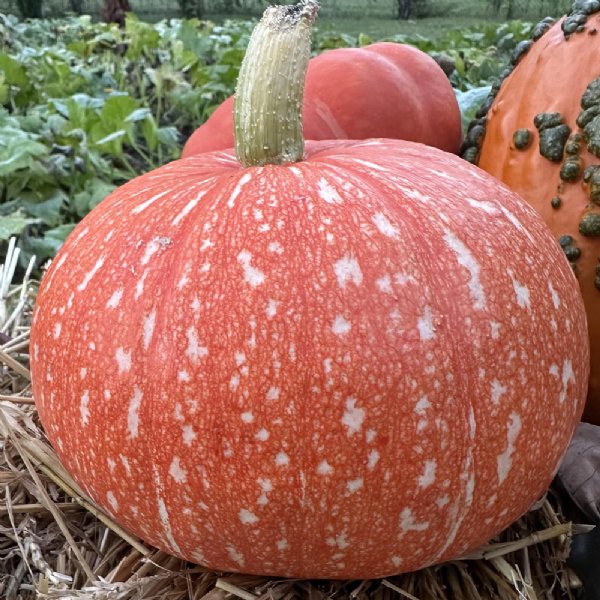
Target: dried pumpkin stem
[{"x": 268, "y": 101}]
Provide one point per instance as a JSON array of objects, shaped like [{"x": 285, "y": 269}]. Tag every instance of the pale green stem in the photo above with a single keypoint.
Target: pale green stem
[{"x": 268, "y": 101}]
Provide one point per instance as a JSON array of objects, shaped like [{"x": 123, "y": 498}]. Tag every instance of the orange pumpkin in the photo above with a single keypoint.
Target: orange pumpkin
[
  {"x": 382, "y": 90},
  {"x": 542, "y": 139},
  {"x": 328, "y": 364}
]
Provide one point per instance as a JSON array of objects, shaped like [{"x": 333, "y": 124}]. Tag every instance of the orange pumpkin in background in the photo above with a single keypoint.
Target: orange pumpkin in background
[
  {"x": 385, "y": 90},
  {"x": 541, "y": 137}
]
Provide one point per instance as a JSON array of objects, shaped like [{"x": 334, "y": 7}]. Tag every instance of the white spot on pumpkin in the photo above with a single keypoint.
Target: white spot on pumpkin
[
  {"x": 236, "y": 556},
  {"x": 262, "y": 435},
  {"x": 187, "y": 209},
  {"x": 370, "y": 436},
  {"x": 282, "y": 545},
  {"x": 354, "y": 485},
  {"x": 164, "y": 519},
  {"x": 341, "y": 326},
  {"x": 123, "y": 360},
  {"x": 396, "y": 561},
  {"x": 89, "y": 276},
  {"x": 384, "y": 284},
  {"x": 275, "y": 248},
  {"x": 554, "y": 295},
  {"x": 271, "y": 309},
  {"x": 385, "y": 226},
  {"x": 327, "y": 362},
  {"x": 404, "y": 278},
  {"x": 244, "y": 179},
  {"x": 234, "y": 382},
  {"x": 144, "y": 205},
  {"x": 498, "y": 390},
  {"x": 484, "y": 205},
  {"x": 408, "y": 522},
  {"x": 133, "y": 417},
  {"x": 442, "y": 501},
  {"x": 194, "y": 350},
  {"x": 516, "y": 222},
  {"x": 353, "y": 417},
  {"x": 347, "y": 269},
  {"x": 425, "y": 326},
  {"x": 82, "y": 373},
  {"x": 495, "y": 330},
  {"x": 176, "y": 471},
  {"x": 521, "y": 292},
  {"x": 416, "y": 195},
  {"x": 107, "y": 394},
  {"x": 188, "y": 434},
  {"x": 273, "y": 393},
  {"x": 340, "y": 541},
  {"x": 139, "y": 286},
  {"x": 125, "y": 464},
  {"x": 252, "y": 275},
  {"x": 112, "y": 500},
  {"x": 422, "y": 405},
  {"x": 428, "y": 476},
  {"x": 324, "y": 468},
  {"x": 466, "y": 259},
  {"x": 84, "y": 407},
  {"x": 206, "y": 244},
  {"x": 505, "y": 459},
  {"x": 282, "y": 459},
  {"x": 247, "y": 417},
  {"x": 373, "y": 459},
  {"x": 247, "y": 517},
  {"x": 554, "y": 370},
  {"x": 148, "y": 328},
  {"x": 57, "y": 330},
  {"x": 152, "y": 247},
  {"x": 112, "y": 464},
  {"x": 328, "y": 193},
  {"x": 568, "y": 376},
  {"x": 183, "y": 376}
]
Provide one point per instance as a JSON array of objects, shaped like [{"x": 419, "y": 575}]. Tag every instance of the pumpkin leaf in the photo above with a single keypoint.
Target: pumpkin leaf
[
  {"x": 13, "y": 224},
  {"x": 95, "y": 191}
]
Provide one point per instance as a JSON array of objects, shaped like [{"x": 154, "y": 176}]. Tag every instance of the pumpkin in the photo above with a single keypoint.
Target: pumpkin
[
  {"x": 381, "y": 90},
  {"x": 541, "y": 137},
  {"x": 344, "y": 359}
]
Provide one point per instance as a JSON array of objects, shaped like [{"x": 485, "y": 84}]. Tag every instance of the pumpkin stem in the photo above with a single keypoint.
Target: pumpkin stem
[{"x": 267, "y": 108}]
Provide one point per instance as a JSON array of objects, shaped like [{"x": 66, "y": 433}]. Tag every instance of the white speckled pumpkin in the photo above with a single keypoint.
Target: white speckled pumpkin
[{"x": 347, "y": 366}]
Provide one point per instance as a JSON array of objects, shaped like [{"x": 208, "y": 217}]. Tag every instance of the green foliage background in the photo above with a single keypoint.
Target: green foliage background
[{"x": 86, "y": 106}]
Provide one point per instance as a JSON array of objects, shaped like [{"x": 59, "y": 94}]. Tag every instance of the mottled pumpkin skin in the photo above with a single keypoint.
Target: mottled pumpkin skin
[
  {"x": 552, "y": 77},
  {"x": 383, "y": 90},
  {"x": 346, "y": 367}
]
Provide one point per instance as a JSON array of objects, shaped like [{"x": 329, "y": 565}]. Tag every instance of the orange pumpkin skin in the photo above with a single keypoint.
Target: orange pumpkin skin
[
  {"x": 346, "y": 367},
  {"x": 552, "y": 77},
  {"x": 385, "y": 90}
]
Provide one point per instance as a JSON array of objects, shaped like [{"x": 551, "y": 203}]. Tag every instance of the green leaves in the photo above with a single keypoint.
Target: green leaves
[
  {"x": 86, "y": 106},
  {"x": 13, "y": 224}
]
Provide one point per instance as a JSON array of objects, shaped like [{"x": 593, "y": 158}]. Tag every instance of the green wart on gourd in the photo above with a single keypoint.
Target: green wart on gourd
[
  {"x": 589, "y": 226},
  {"x": 554, "y": 134},
  {"x": 591, "y": 176},
  {"x": 577, "y": 18},
  {"x": 589, "y": 118},
  {"x": 572, "y": 252},
  {"x": 522, "y": 138}
]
